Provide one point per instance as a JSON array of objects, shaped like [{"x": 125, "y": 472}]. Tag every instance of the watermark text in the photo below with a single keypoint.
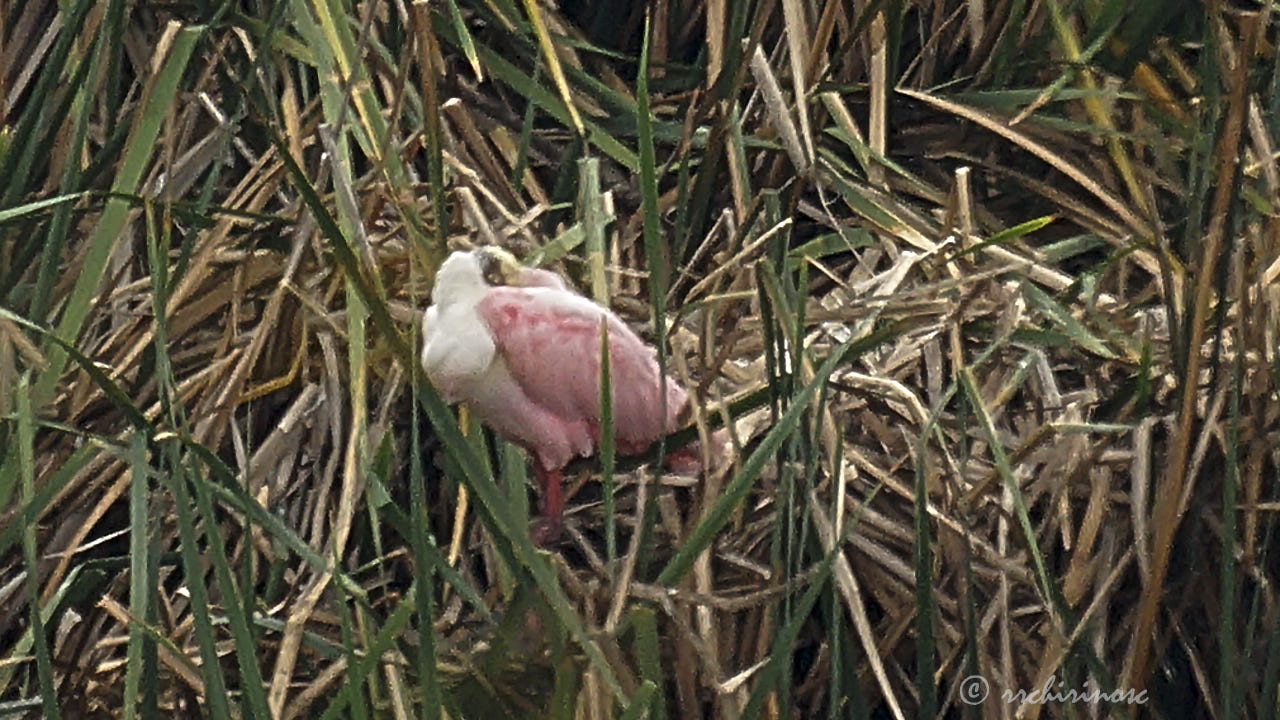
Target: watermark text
[{"x": 975, "y": 689}]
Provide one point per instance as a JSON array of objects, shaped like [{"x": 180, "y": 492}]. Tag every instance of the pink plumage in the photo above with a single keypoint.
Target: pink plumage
[
  {"x": 525, "y": 357},
  {"x": 551, "y": 345}
]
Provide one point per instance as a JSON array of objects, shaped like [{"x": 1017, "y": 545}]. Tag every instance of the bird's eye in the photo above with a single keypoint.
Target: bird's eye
[{"x": 491, "y": 268}]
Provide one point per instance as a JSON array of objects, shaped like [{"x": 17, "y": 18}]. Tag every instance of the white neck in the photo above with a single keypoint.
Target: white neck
[{"x": 459, "y": 281}]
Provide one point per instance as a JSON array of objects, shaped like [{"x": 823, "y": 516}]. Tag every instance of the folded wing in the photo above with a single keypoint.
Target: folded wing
[{"x": 550, "y": 341}]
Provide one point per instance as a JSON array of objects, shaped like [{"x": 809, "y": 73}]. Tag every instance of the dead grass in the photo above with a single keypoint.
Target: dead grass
[{"x": 988, "y": 301}]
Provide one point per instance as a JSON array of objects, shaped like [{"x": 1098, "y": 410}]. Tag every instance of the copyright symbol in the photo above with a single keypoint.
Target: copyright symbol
[{"x": 973, "y": 690}]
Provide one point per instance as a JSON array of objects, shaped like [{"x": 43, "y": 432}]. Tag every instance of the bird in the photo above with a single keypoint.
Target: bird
[{"x": 522, "y": 350}]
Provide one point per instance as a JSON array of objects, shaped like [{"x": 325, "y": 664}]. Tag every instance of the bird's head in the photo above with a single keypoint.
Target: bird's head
[
  {"x": 466, "y": 275},
  {"x": 497, "y": 266}
]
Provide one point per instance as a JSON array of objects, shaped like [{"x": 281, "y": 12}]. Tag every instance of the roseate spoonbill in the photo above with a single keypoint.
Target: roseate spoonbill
[{"x": 523, "y": 351}]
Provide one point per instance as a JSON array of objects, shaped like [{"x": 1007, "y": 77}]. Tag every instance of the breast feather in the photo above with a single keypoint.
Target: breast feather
[{"x": 458, "y": 350}]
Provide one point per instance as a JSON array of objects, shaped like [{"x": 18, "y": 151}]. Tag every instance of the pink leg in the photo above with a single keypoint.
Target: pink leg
[{"x": 547, "y": 528}]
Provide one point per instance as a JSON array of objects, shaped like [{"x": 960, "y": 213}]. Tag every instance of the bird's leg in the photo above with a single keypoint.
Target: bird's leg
[{"x": 547, "y": 528}]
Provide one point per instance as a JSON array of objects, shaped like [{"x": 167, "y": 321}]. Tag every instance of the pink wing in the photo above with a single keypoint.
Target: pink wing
[{"x": 550, "y": 341}]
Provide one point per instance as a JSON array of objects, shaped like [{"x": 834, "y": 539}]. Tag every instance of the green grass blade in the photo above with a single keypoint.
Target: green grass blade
[
  {"x": 252, "y": 687},
  {"x": 432, "y": 134},
  {"x": 109, "y": 387},
  {"x": 31, "y": 208},
  {"x": 367, "y": 661},
  {"x": 229, "y": 490},
  {"x": 11, "y": 531},
  {"x": 507, "y": 72},
  {"x": 775, "y": 670},
  {"x": 1063, "y": 318},
  {"x": 16, "y": 167},
  {"x": 640, "y": 704},
  {"x": 656, "y": 261},
  {"x": 58, "y": 234},
  {"x": 424, "y": 552},
  {"x": 351, "y": 696},
  {"x": 139, "y": 572},
  {"x": 974, "y": 397},
  {"x": 591, "y": 215},
  {"x": 26, "y": 463},
  {"x": 215, "y": 686},
  {"x": 553, "y": 62},
  {"x": 251, "y": 683},
  {"x": 647, "y": 649},
  {"x": 464, "y": 38},
  {"x": 156, "y": 101},
  {"x": 559, "y": 246},
  {"x": 1008, "y": 234},
  {"x": 737, "y": 488},
  {"x": 72, "y": 590},
  {"x": 607, "y": 444}
]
